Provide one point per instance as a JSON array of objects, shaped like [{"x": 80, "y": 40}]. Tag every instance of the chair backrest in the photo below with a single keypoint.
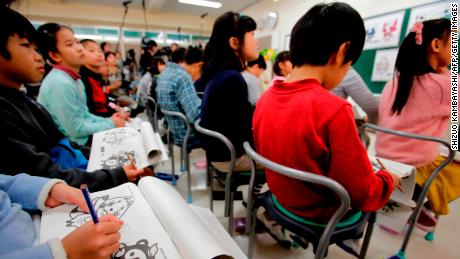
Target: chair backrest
[
  {"x": 184, "y": 119},
  {"x": 436, "y": 171},
  {"x": 151, "y": 113},
  {"x": 232, "y": 151},
  {"x": 449, "y": 158},
  {"x": 306, "y": 177}
]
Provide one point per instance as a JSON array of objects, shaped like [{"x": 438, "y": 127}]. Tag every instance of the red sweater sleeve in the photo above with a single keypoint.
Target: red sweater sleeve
[{"x": 350, "y": 165}]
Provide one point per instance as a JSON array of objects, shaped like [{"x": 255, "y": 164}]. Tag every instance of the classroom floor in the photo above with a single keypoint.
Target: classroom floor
[{"x": 382, "y": 243}]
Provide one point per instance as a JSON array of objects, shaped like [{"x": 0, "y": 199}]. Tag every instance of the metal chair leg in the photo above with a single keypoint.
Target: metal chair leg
[
  {"x": 230, "y": 216},
  {"x": 171, "y": 153},
  {"x": 182, "y": 154},
  {"x": 252, "y": 234},
  {"x": 211, "y": 195},
  {"x": 189, "y": 178},
  {"x": 367, "y": 236}
]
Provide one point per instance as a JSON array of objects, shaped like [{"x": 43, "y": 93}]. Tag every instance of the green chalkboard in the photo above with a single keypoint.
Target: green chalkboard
[{"x": 365, "y": 63}]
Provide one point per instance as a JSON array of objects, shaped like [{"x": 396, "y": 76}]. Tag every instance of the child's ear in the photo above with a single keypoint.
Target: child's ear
[
  {"x": 55, "y": 57},
  {"x": 234, "y": 43},
  {"x": 435, "y": 45},
  {"x": 342, "y": 53}
]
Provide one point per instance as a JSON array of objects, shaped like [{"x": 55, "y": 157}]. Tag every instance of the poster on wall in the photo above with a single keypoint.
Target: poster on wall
[
  {"x": 428, "y": 12},
  {"x": 384, "y": 65},
  {"x": 383, "y": 31}
]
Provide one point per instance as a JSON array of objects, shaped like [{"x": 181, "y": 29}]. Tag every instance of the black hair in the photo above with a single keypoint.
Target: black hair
[
  {"x": 412, "y": 59},
  {"x": 108, "y": 53},
  {"x": 218, "y": 54},
  {"x": 85, "y": 42},
  {"x": 147, "y": 43},
  {"x": 193, "y": 55},
  {"x": 13, "y": 23},
  {"x": 103, "y": 44},
  {"x": 153, "y": 67},
  {"x": 46, "y": 39},
  {"x": 283, "y": 56},
  {"x": 259, "y": 61},
  {"x": 190, "y": 56},
  {"x": 178, "y": 55},
  {"x": 320, "y": 32}
]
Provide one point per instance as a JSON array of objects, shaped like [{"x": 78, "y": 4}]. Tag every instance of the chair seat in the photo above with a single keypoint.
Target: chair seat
[{"x": 311, "y": 232}]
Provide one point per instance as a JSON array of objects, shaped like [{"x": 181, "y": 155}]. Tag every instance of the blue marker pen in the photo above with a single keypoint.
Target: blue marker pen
[{"x": 85, "y": 191}]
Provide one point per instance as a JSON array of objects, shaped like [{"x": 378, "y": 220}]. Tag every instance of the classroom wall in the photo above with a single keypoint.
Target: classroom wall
[
  {"x": 289, "y": 11},
  {"x": 89, "y": 14}
]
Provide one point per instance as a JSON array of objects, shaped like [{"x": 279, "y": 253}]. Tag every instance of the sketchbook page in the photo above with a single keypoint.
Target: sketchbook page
[
  {"x": 111, "y": 149},
  {"x": 152, "y": 147},
  {"x": 141, "y": 234},
  {"x": 191, "y": 236},
  {"x": 359, "y": 113},
  {"x": 445, "y": 151},
  {"x": 394, "y": 217},
  {"x": 164, "y": 151},
  {"x": 215, "y": 227},
  {"x": 407, "y": 174},
  {"x": 134, "y": 123}
]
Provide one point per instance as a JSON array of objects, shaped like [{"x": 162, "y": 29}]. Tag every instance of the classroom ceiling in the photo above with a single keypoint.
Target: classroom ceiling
[{"x": 172, "y": 6}]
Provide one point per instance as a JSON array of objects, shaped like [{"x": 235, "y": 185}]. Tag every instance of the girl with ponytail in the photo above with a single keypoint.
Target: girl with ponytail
[{"x": 417, "y": 101}]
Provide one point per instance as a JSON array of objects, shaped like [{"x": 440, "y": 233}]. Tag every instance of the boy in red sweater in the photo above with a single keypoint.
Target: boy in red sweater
[{"x": 300, "y": 124}]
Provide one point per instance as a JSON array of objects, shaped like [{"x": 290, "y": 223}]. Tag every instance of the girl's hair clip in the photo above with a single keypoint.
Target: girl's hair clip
[{"x": 417, "y": 28}]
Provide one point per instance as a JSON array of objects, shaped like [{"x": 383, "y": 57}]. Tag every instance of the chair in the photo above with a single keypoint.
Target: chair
[
  {"x": 320, "y": 236},
  {"x": 232, "y": 181},
  {"x": 151, "y": 109},
  {"x": 184, "y": 154},
  {"x": 414, "y": 217}
]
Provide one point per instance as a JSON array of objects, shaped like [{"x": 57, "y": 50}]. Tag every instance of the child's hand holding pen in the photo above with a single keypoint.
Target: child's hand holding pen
[
  {"x": 62, "y": 193},
  {"x": 132, "y": 172},
  {"x": 132, "y": 161},
  {"x": 396, "y": 178}
]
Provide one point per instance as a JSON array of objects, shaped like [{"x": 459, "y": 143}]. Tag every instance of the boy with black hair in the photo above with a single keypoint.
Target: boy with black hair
[
  {"x": 149, "y": 50},
  {"x": 94, "y": 59},
  {"x": 28, "y": 133},
  {"x": 21, "y": 63},
  {"x": 300, "y": 124},
  {"x": 176, "y": 92}
]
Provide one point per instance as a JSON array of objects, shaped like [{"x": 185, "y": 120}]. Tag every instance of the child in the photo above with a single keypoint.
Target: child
[
  {"x": 28, "y": 131},
  {"x": 176, "y": 92},
  {"x": 92, "y": 79},
  {"x": 251, "y": 76},
  {"x": 148, "y": 82},
  {"x": 354, "y": 86},
  {"x": 115, "y": 77},
  {"x": 417, "y": 101},
  {"x": 300, "y": 124},
  {"x": 282, "y": 66},
  {"x": 226, "y": 108},
  {"x": 36, "y": 193},
  {"x": 62, "y": 92}
]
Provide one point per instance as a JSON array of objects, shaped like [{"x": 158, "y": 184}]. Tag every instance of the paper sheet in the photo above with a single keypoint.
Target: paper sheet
[
  {"x": 142, "y": 233},
  {"x": 215, "y": 227},
  {"x": 153, "y": 145},
  {"x": 112, "y": 148},
  {"x": 407, "y": 174},
  {"x": 191, "y": 236}
]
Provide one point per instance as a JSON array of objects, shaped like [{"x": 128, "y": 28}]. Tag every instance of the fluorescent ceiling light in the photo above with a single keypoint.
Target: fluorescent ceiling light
[{"x": 205, "y": 3}]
